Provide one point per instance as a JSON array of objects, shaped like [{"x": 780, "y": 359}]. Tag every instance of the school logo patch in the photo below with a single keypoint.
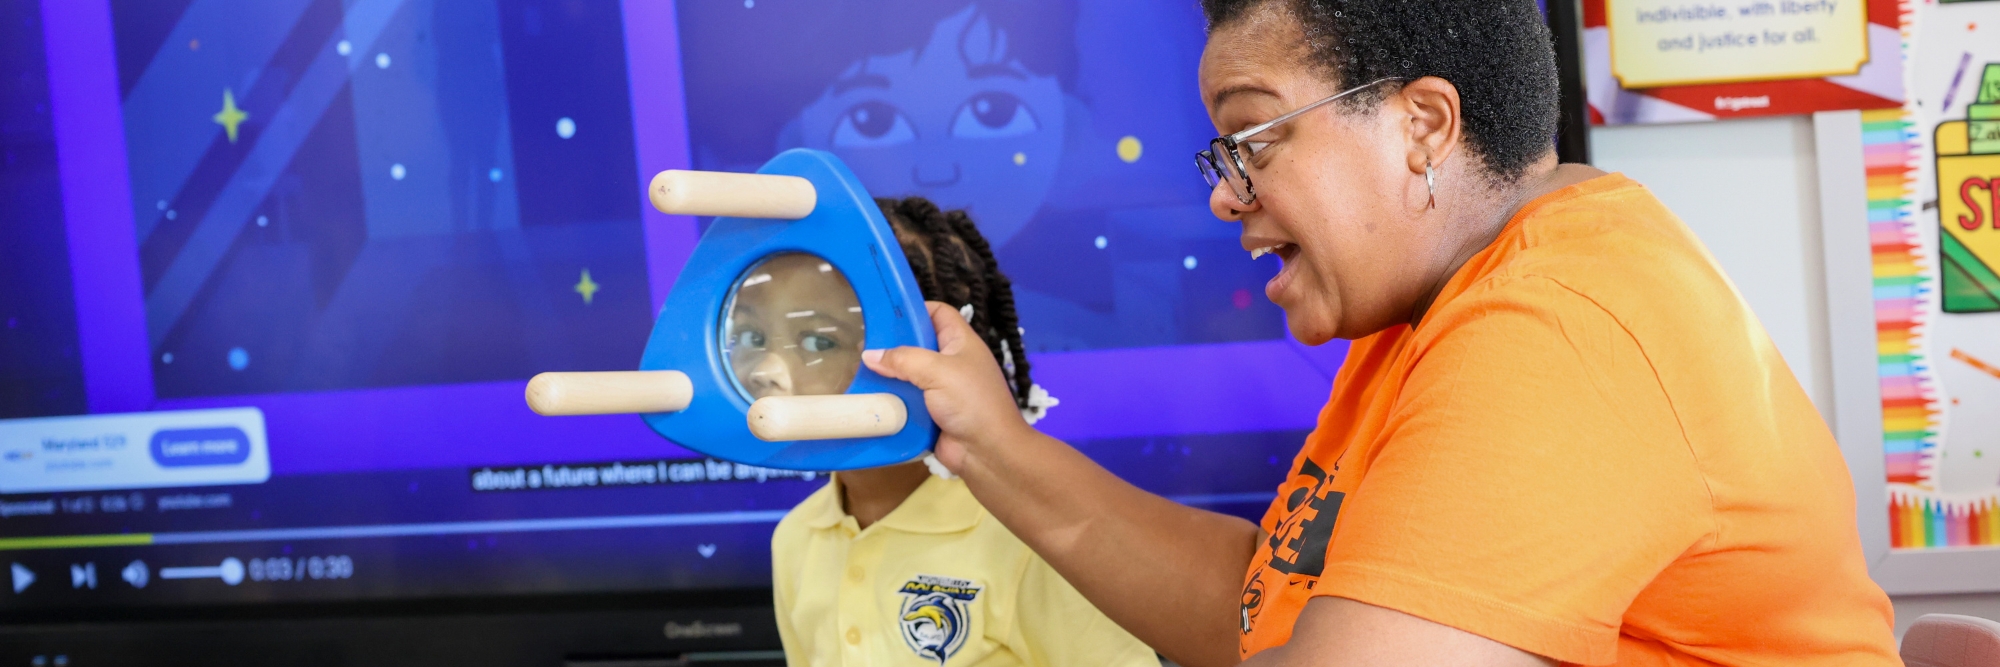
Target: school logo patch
[{"x": 937, "y": 615}]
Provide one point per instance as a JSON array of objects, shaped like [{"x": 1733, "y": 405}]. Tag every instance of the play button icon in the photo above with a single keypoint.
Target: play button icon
[{"x": 23, "y": 577}]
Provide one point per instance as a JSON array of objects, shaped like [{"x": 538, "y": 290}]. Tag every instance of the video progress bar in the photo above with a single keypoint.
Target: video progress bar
[
  {"x": 464, "y": 527},
  {"x": 390, "y": 530}
]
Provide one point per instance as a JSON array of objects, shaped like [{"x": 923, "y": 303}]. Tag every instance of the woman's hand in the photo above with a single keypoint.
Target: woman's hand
[{"x": 963, "y": 388}]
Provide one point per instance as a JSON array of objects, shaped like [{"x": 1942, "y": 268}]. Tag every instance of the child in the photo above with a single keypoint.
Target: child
[{"x": 893, "y": 565}]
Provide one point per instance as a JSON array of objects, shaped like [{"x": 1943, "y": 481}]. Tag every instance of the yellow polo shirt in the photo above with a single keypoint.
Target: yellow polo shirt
[{"x": 936, "y": 582}]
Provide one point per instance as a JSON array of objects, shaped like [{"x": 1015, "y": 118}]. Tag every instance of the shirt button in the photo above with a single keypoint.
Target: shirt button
[
  {"x": 854, "y": 636},
  {"x": 855, "y": 574}
]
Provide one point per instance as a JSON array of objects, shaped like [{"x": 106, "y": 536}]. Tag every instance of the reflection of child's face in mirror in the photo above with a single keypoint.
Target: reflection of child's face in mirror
[{"x": 794, "y": 328}]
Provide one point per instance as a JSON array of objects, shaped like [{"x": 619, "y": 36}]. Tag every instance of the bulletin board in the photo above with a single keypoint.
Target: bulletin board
[{"x": 1921, "y": 423}]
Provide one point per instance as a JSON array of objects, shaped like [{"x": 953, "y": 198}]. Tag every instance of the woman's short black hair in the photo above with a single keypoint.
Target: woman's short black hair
[{"x": 1497, "y": 52}]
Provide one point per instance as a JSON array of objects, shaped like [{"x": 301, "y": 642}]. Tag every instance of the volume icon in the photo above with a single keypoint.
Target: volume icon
[{"x": 136, "y": 574}]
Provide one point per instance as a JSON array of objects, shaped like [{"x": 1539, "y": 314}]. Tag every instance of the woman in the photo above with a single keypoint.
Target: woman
[{"x": 1559, "y": 437}]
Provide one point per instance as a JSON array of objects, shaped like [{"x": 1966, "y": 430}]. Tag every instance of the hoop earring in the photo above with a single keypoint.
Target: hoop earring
[{"x": 1430, "y": 183}]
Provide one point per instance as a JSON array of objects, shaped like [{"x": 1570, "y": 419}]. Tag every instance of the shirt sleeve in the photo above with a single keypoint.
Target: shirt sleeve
[
  {"x": 1531, "y": 481},
  {"x": 1056, "y": 627}
]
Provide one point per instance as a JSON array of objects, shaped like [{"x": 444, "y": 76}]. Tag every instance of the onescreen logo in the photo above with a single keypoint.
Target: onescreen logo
[{"x": 700, "y": 630}]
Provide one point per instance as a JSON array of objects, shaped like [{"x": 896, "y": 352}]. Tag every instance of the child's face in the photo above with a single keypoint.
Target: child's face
[{"x": 793, "y": 328}]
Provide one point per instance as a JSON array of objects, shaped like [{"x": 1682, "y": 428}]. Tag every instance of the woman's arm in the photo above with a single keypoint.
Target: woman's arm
[
  {"x": 1338, "y": 632},
  {"x": 1170, "y": 574}
]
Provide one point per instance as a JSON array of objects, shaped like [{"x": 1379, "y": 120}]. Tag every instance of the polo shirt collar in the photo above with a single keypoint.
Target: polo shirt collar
[{"x": 939, "y": 505}]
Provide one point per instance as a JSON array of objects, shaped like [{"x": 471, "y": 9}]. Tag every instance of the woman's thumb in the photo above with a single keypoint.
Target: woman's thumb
[{"x": 914, "y": 365}]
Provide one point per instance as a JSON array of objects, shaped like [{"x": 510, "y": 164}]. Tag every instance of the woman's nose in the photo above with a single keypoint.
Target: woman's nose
[
  {"x": 1223, "y": 203},
  {"x": 771, "y": 376}
]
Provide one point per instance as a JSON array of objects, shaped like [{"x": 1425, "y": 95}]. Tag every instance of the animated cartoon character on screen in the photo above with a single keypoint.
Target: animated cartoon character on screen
[
  {"x": 965, "y": 103},
  {"x": 756, "y": 356},
  {"x": 937, "y": 615},
  {"x": 1037, "y": 118}
]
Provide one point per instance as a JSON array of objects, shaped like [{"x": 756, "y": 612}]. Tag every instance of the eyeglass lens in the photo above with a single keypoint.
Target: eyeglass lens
[{"x": 1219, "y": 164}]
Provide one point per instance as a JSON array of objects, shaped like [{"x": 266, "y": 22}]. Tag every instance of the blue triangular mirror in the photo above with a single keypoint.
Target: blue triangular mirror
[{"x": 756, "y": 356}]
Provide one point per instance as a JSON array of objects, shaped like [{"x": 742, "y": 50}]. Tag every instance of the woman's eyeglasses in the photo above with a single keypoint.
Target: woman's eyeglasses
[{"x": 1222, "y": 161}]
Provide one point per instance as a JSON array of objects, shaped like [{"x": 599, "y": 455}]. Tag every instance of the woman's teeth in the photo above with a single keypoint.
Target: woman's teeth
[{"x": 1267, "y": 250}]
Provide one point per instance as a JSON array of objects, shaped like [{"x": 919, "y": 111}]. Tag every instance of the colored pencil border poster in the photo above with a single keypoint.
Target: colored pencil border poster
[{"x": 1937, "y": 295}]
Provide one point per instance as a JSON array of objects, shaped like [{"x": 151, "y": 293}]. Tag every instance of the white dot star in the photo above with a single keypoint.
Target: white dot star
[
  {"x": 344, "y": 47},
  {"x": 382, "y": 60},
  {"x": 396, "y": 171},
  {"x": 1189, "y": 262},
  {"x": 565, "y": 127}
]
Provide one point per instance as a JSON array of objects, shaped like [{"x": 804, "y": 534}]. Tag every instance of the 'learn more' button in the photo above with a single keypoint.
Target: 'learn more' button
[
  {"x": 201, "y": 447},
  {"x": 134, "y": 450}
]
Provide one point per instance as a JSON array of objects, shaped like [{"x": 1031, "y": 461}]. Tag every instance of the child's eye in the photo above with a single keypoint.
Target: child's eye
[
  {"x": 750, "y": 338},
  {"x": 818, "y": 343}
]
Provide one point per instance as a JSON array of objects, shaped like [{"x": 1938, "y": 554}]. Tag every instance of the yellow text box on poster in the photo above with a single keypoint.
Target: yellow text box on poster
[{"x": 1675, "y": 43}]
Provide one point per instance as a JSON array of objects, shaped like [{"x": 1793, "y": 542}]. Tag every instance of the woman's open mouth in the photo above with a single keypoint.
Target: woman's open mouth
[{"x": 1285, "y": 252}]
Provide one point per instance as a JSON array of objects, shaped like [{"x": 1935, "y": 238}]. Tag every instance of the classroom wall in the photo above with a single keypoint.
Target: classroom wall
[{"x": 1750, "y": 190}]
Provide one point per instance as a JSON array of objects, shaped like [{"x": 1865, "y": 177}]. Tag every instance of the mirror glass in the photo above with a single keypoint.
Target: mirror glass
[{"x": 792, "y": 327}]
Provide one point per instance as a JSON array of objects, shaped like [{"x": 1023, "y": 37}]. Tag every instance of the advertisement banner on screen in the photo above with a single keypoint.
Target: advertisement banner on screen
[{"x": 133, "y": 451}]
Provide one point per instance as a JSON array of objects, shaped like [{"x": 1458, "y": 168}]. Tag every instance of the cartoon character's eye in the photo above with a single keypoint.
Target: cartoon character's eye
[
  {"x": 872, "y": 123},
  {"x": 748, "y": 339},
  {"x": 991, "y": 116},
  {"x": 818, "y": 343}
]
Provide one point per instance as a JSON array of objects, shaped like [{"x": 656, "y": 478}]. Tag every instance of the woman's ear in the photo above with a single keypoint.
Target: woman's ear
[{"x": 1431, "y": 106}]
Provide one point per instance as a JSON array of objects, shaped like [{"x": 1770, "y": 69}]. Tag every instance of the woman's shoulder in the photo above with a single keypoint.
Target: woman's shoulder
[{"x": 1615, "y": 246}]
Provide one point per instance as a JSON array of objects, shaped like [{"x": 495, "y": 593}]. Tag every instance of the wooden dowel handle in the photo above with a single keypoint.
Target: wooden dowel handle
[
  {"x": 787, "y": 418},
  {"x": 609, "y": 393},
  {"x": 717, "y": 193}
]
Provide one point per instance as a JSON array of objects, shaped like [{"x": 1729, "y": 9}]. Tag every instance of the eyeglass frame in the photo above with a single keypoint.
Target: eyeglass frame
[{"x": 1212, "y": 171}]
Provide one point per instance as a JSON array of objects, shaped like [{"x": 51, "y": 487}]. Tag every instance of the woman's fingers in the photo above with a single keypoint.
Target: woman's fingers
[
  {"x": 965, "y": 393},
  {"x": 919, "y": 366},
  {"x": 914, "y": 365},
  {"x": 952, "y": 329}
]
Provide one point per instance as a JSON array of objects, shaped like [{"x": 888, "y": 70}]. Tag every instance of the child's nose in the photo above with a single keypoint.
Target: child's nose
[{"x": 770, "y": 377}]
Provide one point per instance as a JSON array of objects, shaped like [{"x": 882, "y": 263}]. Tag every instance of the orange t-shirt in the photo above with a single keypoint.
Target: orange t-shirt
[{"x": 1588, "y": 450}]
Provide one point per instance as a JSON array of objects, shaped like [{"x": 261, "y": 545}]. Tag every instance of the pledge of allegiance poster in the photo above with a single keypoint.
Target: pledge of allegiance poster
[
  {"x": 1654, "y": 61},
  {"x": 1937, "y": 252}
]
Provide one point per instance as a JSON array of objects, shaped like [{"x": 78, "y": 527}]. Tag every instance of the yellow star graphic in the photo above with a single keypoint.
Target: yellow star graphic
[
  {"x": 585, "y": 287},
  {"x": 230, "y": 116}
]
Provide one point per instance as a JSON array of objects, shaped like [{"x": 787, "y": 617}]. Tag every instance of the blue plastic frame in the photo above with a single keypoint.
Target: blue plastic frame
[{"x": 848, "y": 231}]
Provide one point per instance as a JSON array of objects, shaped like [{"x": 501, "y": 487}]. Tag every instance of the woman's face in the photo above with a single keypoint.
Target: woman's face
[
  {"x": 1333, "y": 188},
  {"x": 793, "y": 329}
]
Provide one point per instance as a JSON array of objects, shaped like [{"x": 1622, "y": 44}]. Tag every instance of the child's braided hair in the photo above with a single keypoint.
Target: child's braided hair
[{"x": 953, "y": 264}]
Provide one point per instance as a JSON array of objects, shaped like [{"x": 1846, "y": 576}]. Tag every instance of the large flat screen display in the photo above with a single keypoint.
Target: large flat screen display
[{"x": 273, "y": 275}]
